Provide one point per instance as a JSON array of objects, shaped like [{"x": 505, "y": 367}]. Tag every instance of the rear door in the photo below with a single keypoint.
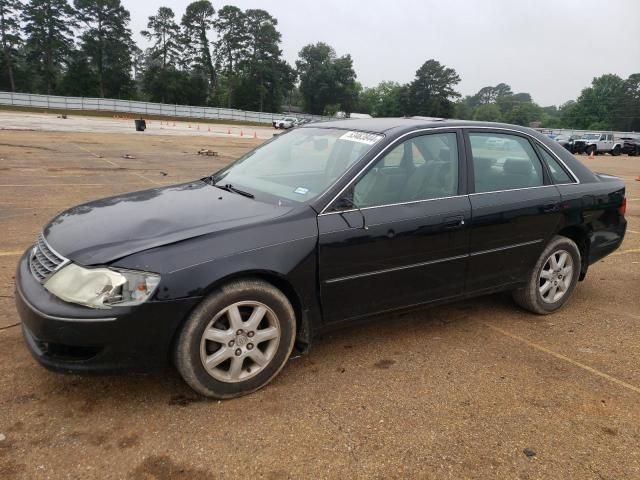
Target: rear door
[
  {"x": 398, "y": 235},
  {"x": 515, "y": 208}
]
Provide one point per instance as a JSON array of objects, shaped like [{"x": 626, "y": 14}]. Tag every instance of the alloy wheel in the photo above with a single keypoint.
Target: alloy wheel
[
  {"x": 555, "y": 276},
  {"x": 240, "y": 341}
]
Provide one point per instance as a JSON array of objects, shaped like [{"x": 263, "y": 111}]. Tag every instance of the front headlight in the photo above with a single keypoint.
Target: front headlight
[{"x": 102, "y": 287}]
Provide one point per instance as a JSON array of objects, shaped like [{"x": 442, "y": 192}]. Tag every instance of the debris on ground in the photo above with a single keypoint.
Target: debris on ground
[
  {"x": 529, "y": 452},
  {"x": 164, "y": 174},
  {"x": 3, "y": 437},
  {"x": 208, "y": 152},
  {"x": 129, "y": 157}
]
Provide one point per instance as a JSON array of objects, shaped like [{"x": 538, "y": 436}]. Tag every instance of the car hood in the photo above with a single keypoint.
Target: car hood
[{"x": 105, "y": 230}]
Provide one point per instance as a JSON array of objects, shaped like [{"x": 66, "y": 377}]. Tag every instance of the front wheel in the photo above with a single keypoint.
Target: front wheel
[
  {"x": 553, "y": 279},
  {"x": 616, "y": 151},
  {"x": 237, "y": 340},
  {"x": 591, "y": 149}
]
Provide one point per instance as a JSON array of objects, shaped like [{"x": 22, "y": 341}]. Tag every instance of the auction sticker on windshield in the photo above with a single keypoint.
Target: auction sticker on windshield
[{"x": 361, "y": 137}]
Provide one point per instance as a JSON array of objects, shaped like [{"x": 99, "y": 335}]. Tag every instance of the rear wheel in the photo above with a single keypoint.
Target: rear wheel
[
  {"x": 237, "y": 340},
  {"x": 553, "y": 279}
]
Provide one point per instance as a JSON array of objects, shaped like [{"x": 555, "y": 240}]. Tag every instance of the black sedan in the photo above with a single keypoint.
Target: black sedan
[{"x": 228, "y": 275}]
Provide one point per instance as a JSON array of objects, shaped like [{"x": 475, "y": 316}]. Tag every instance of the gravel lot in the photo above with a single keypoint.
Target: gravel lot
[
  {"x": 477, "y": 389},
  {"x": 76, "y": 123}
]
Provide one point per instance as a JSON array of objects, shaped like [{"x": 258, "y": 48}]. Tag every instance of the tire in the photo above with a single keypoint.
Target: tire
[
  {"x": 535, "y": 296},
  {"x": 244, "y": 320},
  {"x": 591, "y": 149},
  {"x": 616, "y": 151}
]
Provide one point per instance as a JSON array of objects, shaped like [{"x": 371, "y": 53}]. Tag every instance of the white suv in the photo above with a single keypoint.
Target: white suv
[
  {"x": 598, "y": 143},
  {"x": 285, "y": 123}
]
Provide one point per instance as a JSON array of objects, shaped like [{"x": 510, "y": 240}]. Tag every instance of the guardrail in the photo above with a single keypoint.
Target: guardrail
[
  {"x": 31, "y": 100},
  {"x": 569, "y": 132}
]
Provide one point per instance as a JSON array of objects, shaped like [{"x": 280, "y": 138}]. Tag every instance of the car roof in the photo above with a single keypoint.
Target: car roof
[{"x": 401, "y": 125}]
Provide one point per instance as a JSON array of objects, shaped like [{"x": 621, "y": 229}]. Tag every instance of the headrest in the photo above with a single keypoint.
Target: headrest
[
  {"x": 482, "y": 163},
  {"x": 518, "y": 167}
]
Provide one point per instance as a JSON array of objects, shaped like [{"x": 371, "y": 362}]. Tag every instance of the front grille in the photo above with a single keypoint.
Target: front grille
[{"x": 44, "y": 261}]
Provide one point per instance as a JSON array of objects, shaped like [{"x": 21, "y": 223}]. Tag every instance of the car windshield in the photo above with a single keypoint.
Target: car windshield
[
  {"x": 299, "y": 165},
  {"x": 591, "y": 136}
]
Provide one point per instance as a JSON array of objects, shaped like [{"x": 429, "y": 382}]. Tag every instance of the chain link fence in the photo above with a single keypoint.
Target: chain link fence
[{"x": 141, "y": 108}]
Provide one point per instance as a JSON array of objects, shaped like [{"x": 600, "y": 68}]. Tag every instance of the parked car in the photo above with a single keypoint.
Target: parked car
[
  {"x": 496, "y": 143},
  {"x": 567, "y": 141},
  {"x": 630, "y": 146},
  {"x": 598, "y": 143},
  {"x": 229, "y": 274},
  {"x": 285, "y": 123}
]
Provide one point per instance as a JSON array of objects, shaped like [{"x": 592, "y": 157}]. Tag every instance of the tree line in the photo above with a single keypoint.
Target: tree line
[{"x": 231, "y": 57}]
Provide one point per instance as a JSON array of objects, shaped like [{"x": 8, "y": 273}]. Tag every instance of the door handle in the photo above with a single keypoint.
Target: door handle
[
  {"x": 451, "y": 223},
  {"x": 551, "y": 207}
]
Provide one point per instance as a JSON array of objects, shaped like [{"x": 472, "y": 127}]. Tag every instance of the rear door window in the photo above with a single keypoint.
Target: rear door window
[{"x": 504, "y": 162}]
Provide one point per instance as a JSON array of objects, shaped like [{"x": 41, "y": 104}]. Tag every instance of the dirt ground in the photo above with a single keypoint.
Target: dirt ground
[
  {"x": 78, "y": 123},
  {"x": 478, "y": 389}
]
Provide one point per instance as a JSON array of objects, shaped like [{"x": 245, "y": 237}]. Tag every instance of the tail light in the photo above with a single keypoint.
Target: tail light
[{"x": 622, "y": 209}]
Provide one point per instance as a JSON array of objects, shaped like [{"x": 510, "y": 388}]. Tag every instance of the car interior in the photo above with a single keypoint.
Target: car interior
[
  {"x": 422, "y": 168},
  {"x": 514, "y": 165}
]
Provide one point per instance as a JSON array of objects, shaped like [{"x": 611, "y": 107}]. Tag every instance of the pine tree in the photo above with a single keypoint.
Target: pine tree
[
  {"x": 10, "y": 37},
  {"x": 231, "y": 46},
  {"x": 196, "y": 23},
  {"x": 164, "y": 32},
  {"x": 265, "y": 76},
  {"x": 48, "y": 27},
  {"x": 107, "y": 42}
]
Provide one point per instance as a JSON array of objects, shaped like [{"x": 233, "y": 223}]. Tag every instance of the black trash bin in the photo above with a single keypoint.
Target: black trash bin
[{"x": 141, "y": 125}]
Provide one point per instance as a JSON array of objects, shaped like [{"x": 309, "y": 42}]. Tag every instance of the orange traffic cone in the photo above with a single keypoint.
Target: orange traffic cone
[
  {"x": 592, "y": 154},
  {"x": 255, "y": 135},
  {"x": 228, "y": 131},
  {"x": 208, "y": 129},
  {"x": 241, "y": 133}
]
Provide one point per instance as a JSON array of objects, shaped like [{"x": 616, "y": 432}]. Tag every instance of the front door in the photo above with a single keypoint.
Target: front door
[
  {"x": 515, "y": 209},
  {"x": 398, "y": 236}
]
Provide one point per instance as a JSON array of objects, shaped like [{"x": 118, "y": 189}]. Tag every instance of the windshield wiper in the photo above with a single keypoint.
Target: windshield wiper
[{"x": 230, "y": 188}]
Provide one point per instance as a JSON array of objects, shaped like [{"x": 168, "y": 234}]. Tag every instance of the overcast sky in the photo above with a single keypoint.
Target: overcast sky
[{"x": 549, "y": 48}]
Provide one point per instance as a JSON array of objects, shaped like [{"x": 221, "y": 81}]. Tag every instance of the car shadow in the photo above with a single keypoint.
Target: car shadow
[{"x": 167, "y": 387}]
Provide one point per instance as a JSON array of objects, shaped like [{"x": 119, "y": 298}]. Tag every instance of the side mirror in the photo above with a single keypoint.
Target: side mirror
[
  {"x": 343, "y": 203},
  {"x": 345, "y": 206}
]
